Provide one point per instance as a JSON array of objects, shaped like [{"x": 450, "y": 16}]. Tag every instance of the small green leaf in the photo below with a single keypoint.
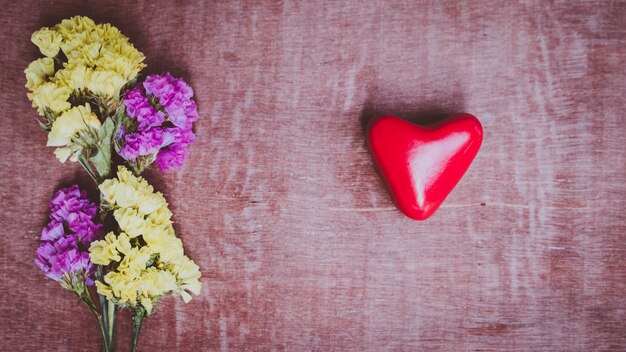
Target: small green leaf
[
  {"x": 43, "y": 126},
  {"x": 106, "y": 130},
  {"x": 117, "y": 119},
  {"x": 86, "y": 138},
  {"x": 102, "y": 159}
]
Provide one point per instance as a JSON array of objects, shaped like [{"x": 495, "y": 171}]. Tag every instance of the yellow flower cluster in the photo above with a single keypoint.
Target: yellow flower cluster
[
  {"x": 146, "y": 258},
  {"x": 67, "y": 126},
  {"x": 88, "y": 58}
]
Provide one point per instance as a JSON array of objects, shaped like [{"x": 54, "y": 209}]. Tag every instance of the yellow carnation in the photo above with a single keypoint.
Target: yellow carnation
[
  {"x": 107, "y": 189},
  {"x": 51, "y": 96},
  {"x": 48, "y": 41},
  {"x": 160, "y": 217},
  {"x": 74, "y": 77},
  {"x": 104, "y": 251},
  {"x": 106, "y": 83},
  {"x": 85, "y": 54},
  {"x": 153, "y": 284},
  {"x": 164, "y": 242},
  {"x": 77, "y": 24},
  {"x": 188, "y": 277},
  {"x": 125, "y": 195},
  {"x": 124, "y": 286},
  {"x": 69, "y": 123},
  {"x": 127, "y": 177},
  {"x": 123, "y": 65},
  {"x": 134, "y": 261},
  {"x": 38, "y": 71},
  {"x": 64, "y": 153},
  {"x": 73, "y": 42},
  {"x": 130, "y": 221},
  {"x": 67, "y": 126},
  {"x": 109, "y": 33},
  {"x": 104, "y": 290},
  {"x": 150, "y": 202}
]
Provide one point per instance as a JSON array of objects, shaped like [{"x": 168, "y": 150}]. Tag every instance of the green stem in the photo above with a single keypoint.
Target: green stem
[
  {"x": 111, "y": 321},
  {"x": 90, "y": 303},
  {"x": 88, "y": 300},
  {"x": 104, "y": 304},
  {"x": 87, "y": 168},
  {"x": 105, "y": 344},
  {"x": 138, "y": 319}
]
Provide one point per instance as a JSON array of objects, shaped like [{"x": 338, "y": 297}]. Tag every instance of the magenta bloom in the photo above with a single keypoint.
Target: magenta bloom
[
  {"x": 162, "y": 111},
  {"x": 63, "y": 252},
  {"x": 142, "y": 143}
]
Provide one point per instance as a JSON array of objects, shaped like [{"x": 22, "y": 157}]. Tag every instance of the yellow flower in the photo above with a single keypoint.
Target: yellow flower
[
  {"x": 153, "y": 262},
  {"x": 127, "y": 177},
  {"x": 106, "y": 83},
  {"x": 67, "y": 126},
  {"x": 65, "y": 153},
  {"x": 74, "y": 77},
  {"x": 153, "y": 284},
  {"x": 104, "y": 290},
  {"x": 193, "y": 288},
  {"x": 51, "y": 96},
  {"x": 134, "y": 261},
  {"x": 148, "y": 303},
  {"x": 188, "y": 277},
  {"x": 99, "y": 58},
  {"x": 125, "y": 195},
  {"x": 143, "y": 187},
  {"x": 47, "y": 41},
  {"x": 85, "y": 54},
  {"x": 77, "y": 24},
  {"x": 164, "y": 242},
  {"x": 148, "y": 203},
  {"x": 130, "y": 221},
  {"x": 69, "y": 123},
  {"x": 160, "y": 217},
  {"x": 109, "y": 33},
  {"x": 104, "y": 251},
  {"x": 126, "y": 66},
  {"x": 124, "y": 287},
  {"x": 38, "y": 71},
  {"x": 107, "y": 189},
  {"x": 73, "y": 42}
]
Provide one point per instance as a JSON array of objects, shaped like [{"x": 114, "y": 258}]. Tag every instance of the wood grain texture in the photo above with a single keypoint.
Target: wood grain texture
[{"x": 299, "y": 244}]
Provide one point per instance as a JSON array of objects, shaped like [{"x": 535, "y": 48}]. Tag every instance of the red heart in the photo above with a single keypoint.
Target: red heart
[{"x": 422, "y": 164}]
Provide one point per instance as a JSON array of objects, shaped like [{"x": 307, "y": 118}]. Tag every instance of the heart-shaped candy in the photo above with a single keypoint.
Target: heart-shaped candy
[{"x": 422, "y": 164}]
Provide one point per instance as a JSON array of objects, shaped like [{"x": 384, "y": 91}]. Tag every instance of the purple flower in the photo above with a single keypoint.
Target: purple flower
[
  {"x": 162, "y": 112},
  {"x": 138, "y": 107},
  {"x": 141, "y": 144},
  {"x": 70, "y": 200},
  {"x": 63, "y": 252},
  {"x": 172, "y": 157},
  {"x": 178, "y": 136},
  {"x": 53, "y": 231}
]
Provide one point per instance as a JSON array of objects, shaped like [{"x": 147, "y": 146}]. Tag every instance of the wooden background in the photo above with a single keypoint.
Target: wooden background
[{"x": 299, "y": 244}]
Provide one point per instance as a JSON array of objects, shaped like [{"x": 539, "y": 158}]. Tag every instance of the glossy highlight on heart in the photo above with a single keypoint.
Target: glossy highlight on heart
[{"x": 422, "y": 164}]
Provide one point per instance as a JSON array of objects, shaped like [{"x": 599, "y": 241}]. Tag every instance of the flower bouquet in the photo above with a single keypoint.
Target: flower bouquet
[{"x": 119, "y": 251}]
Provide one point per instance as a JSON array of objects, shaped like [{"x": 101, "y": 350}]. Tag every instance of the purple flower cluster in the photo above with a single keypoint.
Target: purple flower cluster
[
  {"x": 63, "y": 253},
  {"x": 164, "y": 112}
]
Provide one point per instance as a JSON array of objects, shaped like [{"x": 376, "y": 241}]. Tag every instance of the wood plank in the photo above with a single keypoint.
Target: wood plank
[{"x": 299, "y": 244}]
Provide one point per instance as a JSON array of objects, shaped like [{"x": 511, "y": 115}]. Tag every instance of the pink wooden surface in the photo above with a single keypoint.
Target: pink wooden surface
[{"x": 299, "y": 244}]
